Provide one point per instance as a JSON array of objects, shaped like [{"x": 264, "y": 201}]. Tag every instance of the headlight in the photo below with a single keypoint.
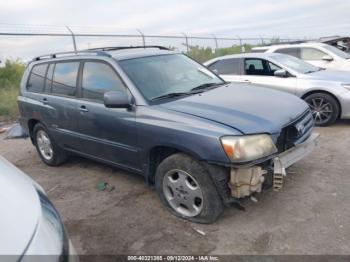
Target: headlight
[
  {"x": 248, "y": 148},
  {"x": 346, "y": 86},
  {"x": 50, "y": 237}
]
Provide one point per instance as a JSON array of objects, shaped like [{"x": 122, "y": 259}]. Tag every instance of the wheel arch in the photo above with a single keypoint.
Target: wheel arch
[
  {"x": 31, "y": 123},
  {"x": 314, "y": 91},
  {"x": 158, "y": 153}
]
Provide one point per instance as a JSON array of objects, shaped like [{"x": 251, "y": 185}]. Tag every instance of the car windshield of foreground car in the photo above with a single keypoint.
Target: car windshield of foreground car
[
  {"x": 296, "y": 64},
  {"x": 168, "y": 76},
  {"x": 338, "y": 52}
]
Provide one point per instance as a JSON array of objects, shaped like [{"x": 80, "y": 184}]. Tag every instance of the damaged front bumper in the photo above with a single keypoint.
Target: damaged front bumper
[
  {"x": 246, "y": 181},
  {"x": 291, "y": 156}
]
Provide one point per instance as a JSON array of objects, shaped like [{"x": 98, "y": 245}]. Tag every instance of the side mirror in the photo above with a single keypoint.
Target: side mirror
[
  {"x": 215, "y": 71},
  {"x": 116, "y": 99},
  {"x": 327, "y": 58},
  {"x": 280, "y": 73}
]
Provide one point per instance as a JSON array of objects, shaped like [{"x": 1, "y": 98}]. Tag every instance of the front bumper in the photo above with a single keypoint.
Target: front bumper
[
  {"x": 246, "y": 181},
  {"x": 291, "y": 156}
]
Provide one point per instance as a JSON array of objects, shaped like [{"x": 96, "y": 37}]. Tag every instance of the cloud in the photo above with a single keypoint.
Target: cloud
[{"x": 249, "y": 18}]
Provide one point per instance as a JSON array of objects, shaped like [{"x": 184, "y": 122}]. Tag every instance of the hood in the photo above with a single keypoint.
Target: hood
[
  {"x": 20, "y": 209},
  {"x": 343, "y": 64},
  {"x": 330, "y": 75},
  {"x": 244, "y": 107}
]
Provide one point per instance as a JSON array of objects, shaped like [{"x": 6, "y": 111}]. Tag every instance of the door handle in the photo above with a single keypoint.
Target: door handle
[
  {"x": 44, "y": 101},
  {"x": 246, "y": 81},
  {"x": 83, "y": 108}
]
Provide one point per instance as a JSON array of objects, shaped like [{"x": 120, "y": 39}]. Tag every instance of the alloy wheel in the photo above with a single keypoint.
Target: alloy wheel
[
  {"x": 322, "y": 110},
  {"x": 44, "y": 145},
  {"x": 183, "y": 193}
]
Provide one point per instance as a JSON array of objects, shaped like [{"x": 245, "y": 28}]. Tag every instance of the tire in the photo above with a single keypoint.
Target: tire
[
  {"x": 198, "y": 184},
  {"x": 57, "y": 156},
  {"x": 325, "y": 108}
]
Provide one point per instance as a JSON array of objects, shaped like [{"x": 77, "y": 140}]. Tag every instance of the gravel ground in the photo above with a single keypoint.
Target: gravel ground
[{"x": 310, "y": 216}]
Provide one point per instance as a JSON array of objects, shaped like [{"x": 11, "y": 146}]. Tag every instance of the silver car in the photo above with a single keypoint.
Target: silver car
[
  {"x": 30, "y": 226},
  {"x": 327, "y": 92}
]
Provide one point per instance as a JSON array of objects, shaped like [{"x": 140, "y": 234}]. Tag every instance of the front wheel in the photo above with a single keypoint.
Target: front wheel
[
  {"x": 185, "y": 187},
  {"x": 325, "y": 109}
]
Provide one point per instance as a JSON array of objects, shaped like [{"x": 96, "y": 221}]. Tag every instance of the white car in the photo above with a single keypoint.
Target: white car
[
  {"x": 326, "y": 91},
  {"x": 31, "y": 228},
  {"x": 317, "y": 54}
]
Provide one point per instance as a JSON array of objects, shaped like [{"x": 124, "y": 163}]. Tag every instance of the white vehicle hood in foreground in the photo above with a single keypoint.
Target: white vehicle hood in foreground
[{"x": 20, "y": 209}]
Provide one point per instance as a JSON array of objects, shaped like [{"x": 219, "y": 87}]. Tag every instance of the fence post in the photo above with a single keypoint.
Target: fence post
[
  {"x": 216, "y": 42},
  {"x": 262, "y": 40},
  {"x": 73, "y": 37},
  {"x": 186, "y": 42},
  {"x": 143, "y": 37},
  {"x": 240, "y": 44}
]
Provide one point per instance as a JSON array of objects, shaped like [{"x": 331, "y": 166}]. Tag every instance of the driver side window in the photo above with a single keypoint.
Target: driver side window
[
  {"x": 99, "y": 78},
  {"x": 259, "y": 67},
  {"x": 273, "y": 68}
]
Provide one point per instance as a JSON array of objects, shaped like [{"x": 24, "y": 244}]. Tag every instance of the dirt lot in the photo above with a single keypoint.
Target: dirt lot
[{"x": 310, "y": 216}]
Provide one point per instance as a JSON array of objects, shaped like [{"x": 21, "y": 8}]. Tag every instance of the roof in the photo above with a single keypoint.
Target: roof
[
  {"x": 289, "y": 45},
  {"x": 136, "y": 53}
]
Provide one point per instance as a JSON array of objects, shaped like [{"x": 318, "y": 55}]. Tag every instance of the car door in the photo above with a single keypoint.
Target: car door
[
  {"x": 107, "y": 133},
  {"x": 59, "y": 113},
  {"x": 315, "y": 57},
  {"x": 261, "y": 72}
]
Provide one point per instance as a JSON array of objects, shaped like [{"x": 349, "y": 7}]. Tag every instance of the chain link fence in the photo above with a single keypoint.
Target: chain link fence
[{"x": 26, "y": 41}]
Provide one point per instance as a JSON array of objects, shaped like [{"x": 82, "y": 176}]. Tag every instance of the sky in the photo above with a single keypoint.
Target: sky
[{"x": 222, "y": 18}]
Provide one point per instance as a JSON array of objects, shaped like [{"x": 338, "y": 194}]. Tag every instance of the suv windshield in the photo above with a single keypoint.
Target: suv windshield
[
  {"x": 337, "y": 51},
  {"x": 295, "y": 64},
  {"x": 165, "y": 76}
]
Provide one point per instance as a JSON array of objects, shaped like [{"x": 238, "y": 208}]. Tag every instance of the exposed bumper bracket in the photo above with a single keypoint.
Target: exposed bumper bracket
[{"x": 291, "y": 156}]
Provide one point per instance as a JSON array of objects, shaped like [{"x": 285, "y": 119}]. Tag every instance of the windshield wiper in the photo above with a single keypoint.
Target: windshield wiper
[
  {"x": 207, "y": 85},
  {"x": 195, "y": 90},
  {"x": 171, "y": 95}
]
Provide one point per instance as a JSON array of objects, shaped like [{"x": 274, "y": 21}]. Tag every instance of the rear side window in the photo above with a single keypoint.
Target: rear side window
[
  {"x": 65, "y": 78},
  {"x": 227, "y": 66},
  {"x": 308, "y": 53},
  {"x": 289, "y": 51},
  {"x": 37, "y": 78},
  {"x": 99, "y": 78}
]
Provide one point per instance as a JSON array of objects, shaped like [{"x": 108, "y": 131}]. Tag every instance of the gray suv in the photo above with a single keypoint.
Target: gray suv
[{"x": 202, "y": 142}]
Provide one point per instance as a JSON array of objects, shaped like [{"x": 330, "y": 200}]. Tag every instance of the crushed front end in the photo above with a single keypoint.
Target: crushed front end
[{"x": 295, "y": 141}]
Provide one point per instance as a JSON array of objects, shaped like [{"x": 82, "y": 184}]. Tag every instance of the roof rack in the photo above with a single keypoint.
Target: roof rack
[
  {"x": 62, "y": 54},
  {"x": 112, "y": 48},
  {"x": 101, "y": 51}
]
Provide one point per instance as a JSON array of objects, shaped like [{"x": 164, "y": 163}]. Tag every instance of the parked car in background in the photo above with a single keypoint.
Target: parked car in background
[
  {"x": 340, "y": 42},
  {"x": 326, "y": 91},
  {"x": 202, "y": 142},
  {"x": 317, "y": 54},
  {"x": 29, "y": 223}
]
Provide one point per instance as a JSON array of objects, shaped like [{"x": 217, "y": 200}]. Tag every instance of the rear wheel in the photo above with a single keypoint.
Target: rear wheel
[
  {"x": 324, "y": 107},
  {"x": 185, "y": 187},
  {"x": 48, "y": 150}
]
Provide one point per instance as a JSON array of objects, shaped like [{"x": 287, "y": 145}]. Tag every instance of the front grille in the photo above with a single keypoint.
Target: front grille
[{"x": 296, "y": 132}]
